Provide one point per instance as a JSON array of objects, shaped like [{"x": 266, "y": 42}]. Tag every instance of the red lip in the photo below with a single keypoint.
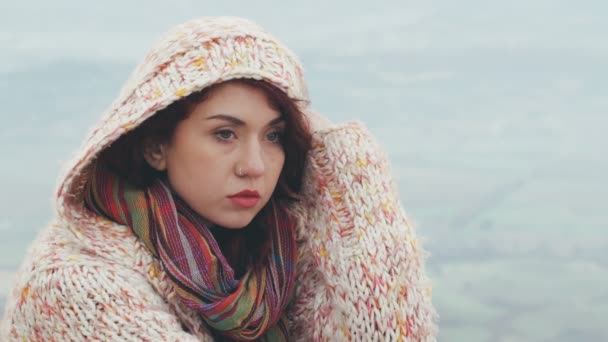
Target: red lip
[
  {"x": 245, "y": 199},
  {"x": 246, "y": 193}
]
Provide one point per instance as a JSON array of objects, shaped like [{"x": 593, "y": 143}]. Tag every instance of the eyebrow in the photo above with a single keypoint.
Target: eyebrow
[{"x": 239, "y": 122}]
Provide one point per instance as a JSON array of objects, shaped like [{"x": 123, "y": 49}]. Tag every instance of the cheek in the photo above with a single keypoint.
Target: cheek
[
  {"x": 277, "y": 163},
  {"x": 195, "y": 152},
  {"x": 195, "y": 164}
]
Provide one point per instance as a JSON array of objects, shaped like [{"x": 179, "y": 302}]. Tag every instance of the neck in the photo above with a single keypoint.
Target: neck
[{"x": 233, "y": 247}]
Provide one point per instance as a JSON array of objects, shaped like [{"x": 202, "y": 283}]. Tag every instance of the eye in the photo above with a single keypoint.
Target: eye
[
  {"x": 224, "y": 134},
  {"x": 275, "y": 137}
]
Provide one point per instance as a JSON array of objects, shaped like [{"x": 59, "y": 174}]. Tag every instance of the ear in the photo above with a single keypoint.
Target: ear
[{"x": 155, "y": 154}]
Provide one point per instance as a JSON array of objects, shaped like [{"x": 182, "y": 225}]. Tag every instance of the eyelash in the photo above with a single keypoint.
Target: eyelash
[
  {"x": 279, "y": 135},
  {"x": 221, "y": 135}
]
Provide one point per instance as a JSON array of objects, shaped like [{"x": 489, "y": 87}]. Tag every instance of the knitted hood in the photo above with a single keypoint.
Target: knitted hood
[{"x": 186, "y": 59}]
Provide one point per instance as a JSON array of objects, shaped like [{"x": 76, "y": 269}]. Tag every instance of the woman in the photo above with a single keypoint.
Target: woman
[{"x": 211, "y": 203}]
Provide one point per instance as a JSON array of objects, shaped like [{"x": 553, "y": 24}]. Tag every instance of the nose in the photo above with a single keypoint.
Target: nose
[{"x": 252, "y": 160}]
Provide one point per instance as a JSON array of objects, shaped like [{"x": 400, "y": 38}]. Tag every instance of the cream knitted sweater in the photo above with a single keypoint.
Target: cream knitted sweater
[{"x": 360, "y": 271}]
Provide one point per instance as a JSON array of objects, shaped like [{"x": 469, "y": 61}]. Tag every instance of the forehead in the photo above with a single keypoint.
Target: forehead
[{"x": 243, "y": 101}]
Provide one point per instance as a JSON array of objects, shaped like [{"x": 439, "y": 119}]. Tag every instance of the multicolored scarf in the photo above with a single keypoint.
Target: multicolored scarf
[{"x": 249, "y": 308}]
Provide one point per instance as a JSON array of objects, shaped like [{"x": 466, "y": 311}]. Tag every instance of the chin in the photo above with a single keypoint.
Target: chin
[
  {"x": 238, "y": 222},
  {"x": 234, "y": 226}
]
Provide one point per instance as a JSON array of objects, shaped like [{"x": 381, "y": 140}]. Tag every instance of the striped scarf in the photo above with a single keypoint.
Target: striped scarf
[{"x": 246, "y": 309}]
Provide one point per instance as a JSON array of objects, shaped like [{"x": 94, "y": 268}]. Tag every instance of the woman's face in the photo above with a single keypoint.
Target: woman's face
[{"x": 225, "y": 158}]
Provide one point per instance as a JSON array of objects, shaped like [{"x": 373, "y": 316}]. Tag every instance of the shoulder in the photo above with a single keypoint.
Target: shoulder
[
  {"x": 70, "y": 289},
  {"x": 61, "y": 245},
  {"x": 349, "y": 144},
  {"x": 346, "y": 161},
  {"x": 341, "y": 130},
  {"x": 82, "y": 283},
  {"x": 82, "y": 300},
  {"x": 64, "y": 266}
]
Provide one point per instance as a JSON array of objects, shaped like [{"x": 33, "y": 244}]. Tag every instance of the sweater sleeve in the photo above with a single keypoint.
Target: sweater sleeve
[
  {"x": 361, "y": 268},
  {"x": 88, "y": 302}
]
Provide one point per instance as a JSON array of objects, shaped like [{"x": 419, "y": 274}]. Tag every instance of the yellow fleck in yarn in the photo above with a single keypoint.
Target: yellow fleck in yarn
[{"x": 181, "y": 92}]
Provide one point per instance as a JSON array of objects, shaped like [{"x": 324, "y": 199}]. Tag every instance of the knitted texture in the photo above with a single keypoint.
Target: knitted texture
[{"x": 360, "y": 273}]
